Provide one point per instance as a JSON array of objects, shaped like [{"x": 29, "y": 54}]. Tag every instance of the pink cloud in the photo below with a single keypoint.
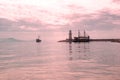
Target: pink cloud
[
  {"x": 28, "y": 28},
  {"x": 61, "y": 14},
  {"x": 116, "y": 1}
]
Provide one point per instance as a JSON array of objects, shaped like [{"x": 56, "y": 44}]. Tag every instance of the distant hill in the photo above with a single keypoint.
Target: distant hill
[{"x": 9, "y": 40}]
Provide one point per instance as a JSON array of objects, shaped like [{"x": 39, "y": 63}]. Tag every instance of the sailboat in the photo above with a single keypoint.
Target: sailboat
[
  {"x": 84, "y": 38},
  {"x": 38, "y": 39}
]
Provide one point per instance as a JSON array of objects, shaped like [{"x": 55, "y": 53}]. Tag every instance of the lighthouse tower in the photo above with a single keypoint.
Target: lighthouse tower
[{"x": 70, "y": 35}]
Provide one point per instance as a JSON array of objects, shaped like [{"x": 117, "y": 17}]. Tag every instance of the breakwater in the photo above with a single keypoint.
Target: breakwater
[
  {"x": 98, "y": 40},
  {"x": 111, "y": 40}
]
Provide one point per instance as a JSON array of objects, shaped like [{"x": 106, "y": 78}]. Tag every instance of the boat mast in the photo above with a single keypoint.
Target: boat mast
[
  {"x": 84, "y": 33},
  {"x": 79, "y": 33},
  {"x": 38, "y": 37}
]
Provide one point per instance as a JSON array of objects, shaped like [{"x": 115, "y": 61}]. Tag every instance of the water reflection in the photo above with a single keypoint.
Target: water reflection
[
  {"x": 70, "y": 51},
  {"x": 38, "y": 47},
  {"x": 60, "y": 61},
  {"x": 78, "y": 51},
  {"x": 93, "y": 62}
]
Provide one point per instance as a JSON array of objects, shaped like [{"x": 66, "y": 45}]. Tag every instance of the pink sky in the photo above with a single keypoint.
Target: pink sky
[{"x": 100, "y": 18}]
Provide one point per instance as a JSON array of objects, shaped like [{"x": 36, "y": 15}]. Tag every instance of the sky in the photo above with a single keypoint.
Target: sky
[{"x": 52, "y": 19}]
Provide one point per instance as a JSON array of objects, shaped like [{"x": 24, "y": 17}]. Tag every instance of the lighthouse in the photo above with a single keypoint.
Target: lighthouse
[{"x": 70, "y": 35}]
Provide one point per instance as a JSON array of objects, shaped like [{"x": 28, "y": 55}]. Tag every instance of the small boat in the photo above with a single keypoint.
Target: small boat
[{"x": 38, "y": 39}]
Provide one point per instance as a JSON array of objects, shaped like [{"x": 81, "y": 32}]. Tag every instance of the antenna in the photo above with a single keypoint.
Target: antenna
[
  {"x": 78, "y": 33},
  {"x": 38, "y": 36},
  {"x": 84, "y": 33}
]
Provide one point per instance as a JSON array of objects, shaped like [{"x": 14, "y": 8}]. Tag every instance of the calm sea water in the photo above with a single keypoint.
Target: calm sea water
[{"x": 59, "y": 61}]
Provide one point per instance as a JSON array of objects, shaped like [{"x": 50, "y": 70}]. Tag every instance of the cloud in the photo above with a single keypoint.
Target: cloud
[
  {"x": 29, "y": 22},
  {"x": 6, "y": 24},
  {"x": 63, "y": 15},
  {"x": 101, "y": 20},
  {"x": 116, "y": 1},
  {"x": 19, "y": 25}
]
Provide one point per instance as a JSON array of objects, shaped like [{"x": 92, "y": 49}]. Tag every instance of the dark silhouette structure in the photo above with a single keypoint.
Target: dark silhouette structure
[
  {"x": 79, "y": 38},
  {"x": 85, "y": 38},
  {"x": 38, "y": 39}
]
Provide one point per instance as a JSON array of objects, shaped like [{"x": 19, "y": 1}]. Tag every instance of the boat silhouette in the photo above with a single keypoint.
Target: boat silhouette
[{"x": 38, "y": 39}]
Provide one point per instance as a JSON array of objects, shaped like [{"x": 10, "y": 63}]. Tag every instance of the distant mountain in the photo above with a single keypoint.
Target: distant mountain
[{"x": 9, "y": 40}]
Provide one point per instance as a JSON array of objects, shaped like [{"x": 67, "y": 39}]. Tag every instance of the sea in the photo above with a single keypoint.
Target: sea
[{"x": 28, "y": 60}]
